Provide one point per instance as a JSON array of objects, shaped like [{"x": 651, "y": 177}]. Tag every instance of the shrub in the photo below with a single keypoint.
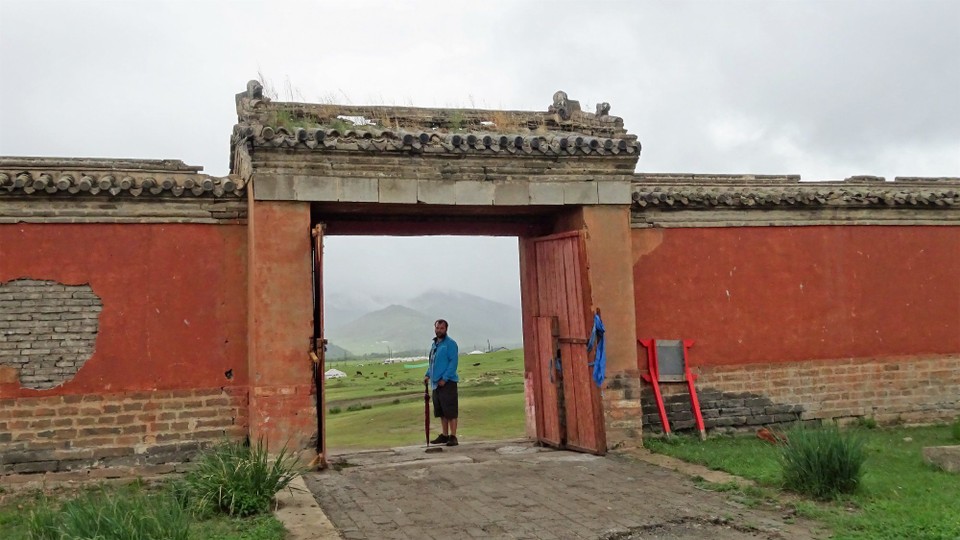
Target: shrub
[
  {"x": 334, "y": 410},
  {"x": 822, "y": 462},
  {"x": 357, "y": 407},
  {"x": 238, "y": 479},
  {"x": 109, "y": 516}
]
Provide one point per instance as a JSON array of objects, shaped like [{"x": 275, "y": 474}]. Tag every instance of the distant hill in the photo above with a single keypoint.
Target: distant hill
[
  {"x": 474, "y": 321},
  {"x": 336, "y": 353},
  {"x": 391, "y": 329}
]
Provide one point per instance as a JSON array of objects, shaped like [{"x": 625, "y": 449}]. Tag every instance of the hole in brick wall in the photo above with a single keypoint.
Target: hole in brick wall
[
  {"x": 48, "y": 330},
  {"x": 228, "y": 374}
]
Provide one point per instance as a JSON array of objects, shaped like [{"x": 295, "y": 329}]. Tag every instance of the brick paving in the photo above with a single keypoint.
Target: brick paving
[{"x": 515, "y": 490}]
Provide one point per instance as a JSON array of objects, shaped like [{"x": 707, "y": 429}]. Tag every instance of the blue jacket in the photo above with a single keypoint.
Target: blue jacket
[{"x": 443, "y": 361}]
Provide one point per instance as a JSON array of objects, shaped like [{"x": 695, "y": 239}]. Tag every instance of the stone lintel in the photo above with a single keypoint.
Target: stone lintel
[
  {"x": 473, "y": 193},
  {"x": 391, "y": 190}
]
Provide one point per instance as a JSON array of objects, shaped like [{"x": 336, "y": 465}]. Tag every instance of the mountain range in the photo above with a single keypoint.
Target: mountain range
[{"x": 475, "y": 323}]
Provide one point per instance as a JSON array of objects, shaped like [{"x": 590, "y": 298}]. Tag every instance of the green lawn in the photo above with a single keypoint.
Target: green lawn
[
  {"x": 901, "y": 496},
  {"x": 491, "y": 403}
]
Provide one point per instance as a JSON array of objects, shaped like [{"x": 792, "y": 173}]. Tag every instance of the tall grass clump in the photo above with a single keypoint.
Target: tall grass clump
[
  {"x": 238, "y": 479},
  {"x": 955, "y": 430},
  {"x": 822, "y": 462},
  {"x": 111, "y": 516}
]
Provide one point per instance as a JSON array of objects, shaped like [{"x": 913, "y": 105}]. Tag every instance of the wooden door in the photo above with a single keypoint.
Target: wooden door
[
  {"x": 547, "y": 383},
  {"x": 561, "y": 297},
  {"x": 319, "y": 344}
]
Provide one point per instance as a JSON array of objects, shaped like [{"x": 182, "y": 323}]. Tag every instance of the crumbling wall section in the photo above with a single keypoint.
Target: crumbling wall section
[{"x": 48, "y": 330}]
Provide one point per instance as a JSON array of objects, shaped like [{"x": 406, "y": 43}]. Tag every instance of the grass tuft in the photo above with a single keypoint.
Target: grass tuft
[
  {"x": 955, "y": 430},
  {"x": 105, "y": 515},
  {"x": 238, "y": 479},
  {"x": 822, "y": 462}
]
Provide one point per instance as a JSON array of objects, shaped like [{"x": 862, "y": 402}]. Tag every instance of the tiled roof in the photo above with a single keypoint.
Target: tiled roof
[
  {"x": 372, "y": 139},
  {"x": 562, "y": 130},
  {"x": 674, "y": 191},
  {"x": 137, "y": 178}
]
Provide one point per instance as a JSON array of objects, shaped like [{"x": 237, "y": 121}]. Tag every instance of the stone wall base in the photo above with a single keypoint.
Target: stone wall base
[
  {"x": 622, "y": 412},
  {"x": 99, "y": 436},
  {"x": 890, "y": 391}
]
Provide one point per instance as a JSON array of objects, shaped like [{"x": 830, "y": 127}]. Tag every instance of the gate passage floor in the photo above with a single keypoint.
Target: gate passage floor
[{"x": 517, "y": 490}]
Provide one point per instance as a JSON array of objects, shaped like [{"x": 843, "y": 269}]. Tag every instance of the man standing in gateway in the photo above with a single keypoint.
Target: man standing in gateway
[{"x": 442, "y": 374}]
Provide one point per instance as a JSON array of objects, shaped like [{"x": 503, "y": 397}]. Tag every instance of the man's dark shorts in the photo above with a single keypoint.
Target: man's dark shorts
[{"x": 445, "y": 401}]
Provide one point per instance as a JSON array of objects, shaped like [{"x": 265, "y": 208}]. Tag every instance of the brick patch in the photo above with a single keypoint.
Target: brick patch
[
  {"x": 140, "y": 429},
  {"x": 47, "y": 330}
]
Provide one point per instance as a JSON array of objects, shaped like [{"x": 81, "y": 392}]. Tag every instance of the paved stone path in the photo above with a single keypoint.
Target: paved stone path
[{"x": 516, "y": 490}]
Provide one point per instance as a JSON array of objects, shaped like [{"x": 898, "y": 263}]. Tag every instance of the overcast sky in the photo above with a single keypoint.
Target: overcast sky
[{"x": 822, "y": 89}]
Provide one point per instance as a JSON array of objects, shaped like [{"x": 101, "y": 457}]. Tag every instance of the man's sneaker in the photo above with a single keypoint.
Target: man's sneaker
[
  {"x": 441, "y": 439},
  {"x": 452, "y": 440}
]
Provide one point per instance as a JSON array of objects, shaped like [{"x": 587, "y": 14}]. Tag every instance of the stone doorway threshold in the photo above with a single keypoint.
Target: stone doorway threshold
[{"x": 514, "y": 489}]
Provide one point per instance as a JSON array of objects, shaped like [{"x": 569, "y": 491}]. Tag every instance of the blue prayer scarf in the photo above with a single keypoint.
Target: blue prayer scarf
[{"x": 600, "y": 359}]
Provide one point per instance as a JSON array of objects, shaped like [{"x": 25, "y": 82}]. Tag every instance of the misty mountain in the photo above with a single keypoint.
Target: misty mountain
[
  {"x": 335, "y": 353},
  {"x": 342, "y": 307},
  {"x": 408, "y": 328},
  {"x": 391, "y": 329},
  {"x": 473, "y": 320}
]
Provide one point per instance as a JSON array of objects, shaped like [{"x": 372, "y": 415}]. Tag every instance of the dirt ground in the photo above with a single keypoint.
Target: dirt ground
[{"x": 517, "y": 490}]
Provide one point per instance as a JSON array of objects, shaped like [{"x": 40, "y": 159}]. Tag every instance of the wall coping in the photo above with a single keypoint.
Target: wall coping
[
  {"x": 692, "y": 200},
  {"x": 124, "y": 178}
]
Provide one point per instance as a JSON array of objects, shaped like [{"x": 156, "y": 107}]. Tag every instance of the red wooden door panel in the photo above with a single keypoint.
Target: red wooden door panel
[
  {"x": 549, "y": 424},
  {"x": 561, "y": 278}
]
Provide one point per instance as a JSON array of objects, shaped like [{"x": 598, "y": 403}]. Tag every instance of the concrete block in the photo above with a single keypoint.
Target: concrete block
[
  {"x": 309, "y": 188},
  {"x": 580, "y": 193},
  {"x": 509, "y": 193},
  {"x": 359, "y": 189},
  {"x": 546, "y": 193},
  {"x": 473, "y": 192},
  {"x": 273, "y": 188},
  {"x": 945, "y": 457},
  {"x": 398, "y": 190},
  {"x": 614, "y": 192},
  {"x": 436, "y": 191}
]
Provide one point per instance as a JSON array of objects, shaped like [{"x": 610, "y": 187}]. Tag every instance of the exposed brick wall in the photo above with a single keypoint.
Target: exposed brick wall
[
  {"x": 47, "y": 330},
  {"x": 907, "y": 390},
  {"x": 84, "y": 433},
  {"x": 621, "y": 409}
]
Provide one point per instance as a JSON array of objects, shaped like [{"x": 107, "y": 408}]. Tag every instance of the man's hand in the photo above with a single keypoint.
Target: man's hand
[
  {"x": 440, "y": 383},
  {"x": 426, "y": 379}
]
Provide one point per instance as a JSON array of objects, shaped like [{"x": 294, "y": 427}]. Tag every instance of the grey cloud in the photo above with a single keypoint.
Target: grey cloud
[{"x": 823, "y": 89}]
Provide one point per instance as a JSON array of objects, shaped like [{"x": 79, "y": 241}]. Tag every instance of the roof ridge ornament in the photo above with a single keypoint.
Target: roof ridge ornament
[
  {"x": 250, "y": 100},
  {"x": 569, "y": 110}
]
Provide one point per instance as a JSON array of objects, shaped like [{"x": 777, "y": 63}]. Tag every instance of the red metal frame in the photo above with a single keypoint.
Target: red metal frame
[{"x": 653, "y": 377}]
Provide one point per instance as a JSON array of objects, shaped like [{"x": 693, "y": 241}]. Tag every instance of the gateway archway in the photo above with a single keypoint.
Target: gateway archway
[{"x": 559, "y": 181}]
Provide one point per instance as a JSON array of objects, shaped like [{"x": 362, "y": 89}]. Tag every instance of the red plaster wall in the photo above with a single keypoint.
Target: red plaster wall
[
  {"x": 780, "y": 294},
  {"x": 282, "y": 409},
  {"x": 174, "y": 299}
]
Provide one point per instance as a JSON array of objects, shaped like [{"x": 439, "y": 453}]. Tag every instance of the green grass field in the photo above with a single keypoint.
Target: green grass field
[
  {"x": 901, "y": 496},
  {"x": 491, "y": 402},
  {"x": 15, "y": 515}
]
